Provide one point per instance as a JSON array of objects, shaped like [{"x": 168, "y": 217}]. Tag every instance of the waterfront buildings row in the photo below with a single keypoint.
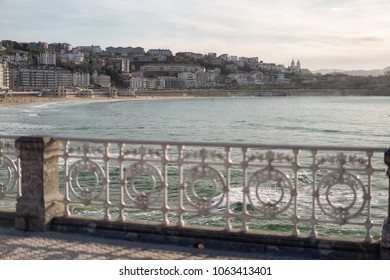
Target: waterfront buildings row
[
  {"x": 47, "y": 78},
  {"x": 137, "y": 69}
]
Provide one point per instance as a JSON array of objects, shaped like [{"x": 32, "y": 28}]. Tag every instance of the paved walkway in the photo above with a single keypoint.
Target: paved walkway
[{"x": 17, "y": 245}]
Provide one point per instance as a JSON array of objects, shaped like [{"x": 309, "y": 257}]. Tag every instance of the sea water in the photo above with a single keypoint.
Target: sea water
[
  {"x": 334, "y": 121},
  {"x": 346, "y": 121}
]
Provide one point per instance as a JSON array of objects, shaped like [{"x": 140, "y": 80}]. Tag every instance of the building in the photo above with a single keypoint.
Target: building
[
  {"x": 4, "y": 76},
  {"x": 172, "y": 83},
  {"x": 233, "y": 58},
  {"x": 189, "y": 79},
  {"x": 36, "y": 79},
  {"x": 120, "y": 64},
  {"x": 160, "y": 54},
  {"x": 171, "y": 68},
  {"x": 101, "y": 80},
  {"x": 126, "y": 51},
  {"x": 247, "y": 79},
  {"x": 295, "y": 68},
  {"x": 18, "y": 58},
  {"x": 88, "y": 49},
  {"x": 64, "y": 78},
  {"x": 196, "y": 56},
  {"x": 47, "y": 59},
  {"x": 58, "y": 47},
  {"x": 81, "y": 79},
  {"x": 253, "y": 60},
  {"x": 75, "y": 57}
]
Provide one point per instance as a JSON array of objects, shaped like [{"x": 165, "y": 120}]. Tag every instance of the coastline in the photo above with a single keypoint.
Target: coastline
[
  {"x": 26, "y": 99},
  {"x": 17, "y": 98}
]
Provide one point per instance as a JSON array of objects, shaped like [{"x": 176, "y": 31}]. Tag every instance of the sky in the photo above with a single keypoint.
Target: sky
[{"x": 337, "y": 34}]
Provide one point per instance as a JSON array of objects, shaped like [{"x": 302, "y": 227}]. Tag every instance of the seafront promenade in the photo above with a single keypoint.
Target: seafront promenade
[{"x": 50, "y": 245}]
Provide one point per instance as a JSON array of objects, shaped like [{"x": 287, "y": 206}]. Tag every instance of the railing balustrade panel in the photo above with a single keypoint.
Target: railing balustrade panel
[{"x": 298, "y": 190}]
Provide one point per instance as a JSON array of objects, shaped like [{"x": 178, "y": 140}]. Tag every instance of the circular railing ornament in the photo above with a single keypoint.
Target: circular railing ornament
[
  {"x": 341, "y": 196},
  {"x": 202, "y": 185},
  {"x": 143, "y": 184},
  {"x": 270, "y": 192},
  {"x": 80, "y": 174}
]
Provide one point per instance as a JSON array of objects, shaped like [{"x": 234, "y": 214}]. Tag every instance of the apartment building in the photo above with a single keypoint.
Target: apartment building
[
  {"x": 246, "y": 79},
  {"x": 75, "y": 57},
  {"x": 126, "y": 50},
  {"x": 156, "y": 83},
  {"x": 4, "y": 76},
  {"x": 47, "y": 59},
  {"x": 171, "y": 68},
  {"x": 64, "y": 78},
  {"x": 36, "y": 79},
  {"x": 190, "y": 79},
  {"x": 119, "y": 64},
  {"x": 160, "y": 54},
  {"x": 81, "y": 79},
  {"x": 101, "y": 80}
]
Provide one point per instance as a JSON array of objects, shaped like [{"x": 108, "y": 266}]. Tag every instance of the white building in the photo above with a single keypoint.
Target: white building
[
  {"x": 81, "y": 79},
  {"x": 253, "y": 60},
  {"x": 76, "y": 57},
  {"x": 101, "y": 80},
  {"x": 189, "y": 79},
  {"x": 47, "y": 59},
  {"x": 4, "y": 76},
  {"x": 233, "y": 58},
  {"x": 246, "y": 79},
  {"x": 160, "y": 54},
  {"x": 173, "y": 68}
]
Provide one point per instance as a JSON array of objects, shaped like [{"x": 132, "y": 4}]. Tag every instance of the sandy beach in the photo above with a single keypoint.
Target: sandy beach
[{"x": 23, "y": 99}]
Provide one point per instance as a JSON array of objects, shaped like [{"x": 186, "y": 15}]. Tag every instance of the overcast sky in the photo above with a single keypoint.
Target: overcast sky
[{"x": 344, "y": 34}]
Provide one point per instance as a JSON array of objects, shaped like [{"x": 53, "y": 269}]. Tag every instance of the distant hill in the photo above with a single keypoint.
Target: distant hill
[{"x": 373, "y": 72}]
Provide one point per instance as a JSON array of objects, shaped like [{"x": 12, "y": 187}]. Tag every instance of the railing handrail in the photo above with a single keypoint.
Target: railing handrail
[
  {"x": 210, "y": 143},
  {"x": 229, "y": 144}
]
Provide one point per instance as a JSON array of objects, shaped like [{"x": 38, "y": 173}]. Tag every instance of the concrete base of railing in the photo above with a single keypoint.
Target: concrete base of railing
[
  {"x": 40, "y": 200},
  {"x": 285, "y": 246}
]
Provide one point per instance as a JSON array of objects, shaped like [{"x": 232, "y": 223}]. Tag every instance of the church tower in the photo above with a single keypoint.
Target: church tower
[
  {"x": 293, "y": 64},
  {"x": 298, "y": 67}
]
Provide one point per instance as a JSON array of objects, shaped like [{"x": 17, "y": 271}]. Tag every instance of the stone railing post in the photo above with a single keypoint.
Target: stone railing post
[
  {"x": 40, "y": 200},
  {"x": 385, "y": 243}
]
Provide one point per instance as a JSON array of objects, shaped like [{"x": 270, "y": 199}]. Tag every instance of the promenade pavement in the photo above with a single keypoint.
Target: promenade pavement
[{"x": 18, "y": 245}]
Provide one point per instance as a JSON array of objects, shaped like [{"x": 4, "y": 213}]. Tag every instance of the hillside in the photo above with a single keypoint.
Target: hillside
[{"x": 365, "y": 73}]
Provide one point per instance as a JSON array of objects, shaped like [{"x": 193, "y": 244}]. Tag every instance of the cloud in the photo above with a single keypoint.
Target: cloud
[{"x": 277, "y": 30}]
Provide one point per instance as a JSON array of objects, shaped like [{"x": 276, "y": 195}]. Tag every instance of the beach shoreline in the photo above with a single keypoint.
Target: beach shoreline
[
  {"x": 18, "y": 98},
  {"x": 26, "y": 99}
]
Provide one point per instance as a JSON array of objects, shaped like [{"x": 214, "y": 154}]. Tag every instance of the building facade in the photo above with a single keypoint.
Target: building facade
[
  {"x": 4, "y": 76},
  {"x": 36, "y": 79},
  {"x": 120, "y": 64},
  {"x": 47, "y": 59},
  {"x": 81, "y": 79},
  {"x": 76, "y": 58},
  {"x": 101, "y": 80}
]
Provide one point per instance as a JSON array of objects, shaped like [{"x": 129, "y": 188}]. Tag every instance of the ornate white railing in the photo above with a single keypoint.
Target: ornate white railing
[
  {"x": 10, "y": 187},
  {"x": 302, "y": 190}
]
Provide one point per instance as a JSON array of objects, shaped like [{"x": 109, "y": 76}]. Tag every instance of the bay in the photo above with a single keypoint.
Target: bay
[{"x": 345, "y": 121}]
